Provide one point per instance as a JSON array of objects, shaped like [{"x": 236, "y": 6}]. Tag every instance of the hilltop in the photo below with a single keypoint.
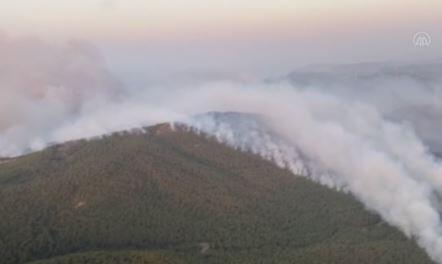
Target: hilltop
[{"x": 165, "y": 195}]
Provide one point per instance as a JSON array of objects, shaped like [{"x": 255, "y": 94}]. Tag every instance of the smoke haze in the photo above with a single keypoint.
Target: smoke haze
[
  {"x": 370, "y": 129},
  {"x": 43, "y": 85}
]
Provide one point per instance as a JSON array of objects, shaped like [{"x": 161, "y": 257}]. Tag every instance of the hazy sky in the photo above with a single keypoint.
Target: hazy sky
[{"x": 247, "y": 35}]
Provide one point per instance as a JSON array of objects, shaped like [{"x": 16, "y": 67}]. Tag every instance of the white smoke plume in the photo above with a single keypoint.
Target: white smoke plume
[
  {"x": 348, "y": 127},
  {"x": 43, "y": 85},
  {"x": 350, "y": 146}
]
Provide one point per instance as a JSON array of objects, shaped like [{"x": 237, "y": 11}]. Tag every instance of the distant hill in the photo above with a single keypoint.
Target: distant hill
[
  {"x": 172, "y": 196},
  {"x": 402, "y": 92}
]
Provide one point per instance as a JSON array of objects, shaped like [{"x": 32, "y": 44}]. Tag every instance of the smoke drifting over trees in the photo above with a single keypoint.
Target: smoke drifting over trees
[{"x": 367, "y": 129}]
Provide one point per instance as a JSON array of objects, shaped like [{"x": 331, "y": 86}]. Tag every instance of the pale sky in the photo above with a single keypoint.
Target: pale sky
[{"x": 280, "y": 34}]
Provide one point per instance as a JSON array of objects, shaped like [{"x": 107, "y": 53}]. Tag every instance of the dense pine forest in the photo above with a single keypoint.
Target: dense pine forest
[{"x": 172, "y": 196}]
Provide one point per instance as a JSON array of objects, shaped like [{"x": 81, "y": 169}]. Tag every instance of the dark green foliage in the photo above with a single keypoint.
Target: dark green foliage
[
  {"x": 175, "y": 197},
  {"x": 117, "y": 257}
]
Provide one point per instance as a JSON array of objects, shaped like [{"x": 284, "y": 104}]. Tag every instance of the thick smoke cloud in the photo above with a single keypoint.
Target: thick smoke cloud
[
  {"x": 43, "y": 85},
  {"x": 371, "y": 130},
  {"x": 349, "y": 146},
  {"x": 402, "y": 92}
]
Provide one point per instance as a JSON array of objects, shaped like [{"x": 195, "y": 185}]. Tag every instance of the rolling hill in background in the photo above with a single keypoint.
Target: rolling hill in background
[{"x": 173, "y": 196}]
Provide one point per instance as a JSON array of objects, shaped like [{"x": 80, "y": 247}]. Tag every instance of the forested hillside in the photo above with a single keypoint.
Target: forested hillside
[{"x": 172, "y": 196}]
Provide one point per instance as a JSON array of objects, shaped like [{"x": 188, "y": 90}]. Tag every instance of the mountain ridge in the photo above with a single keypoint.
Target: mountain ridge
[{"x": 158, "y": 195}]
